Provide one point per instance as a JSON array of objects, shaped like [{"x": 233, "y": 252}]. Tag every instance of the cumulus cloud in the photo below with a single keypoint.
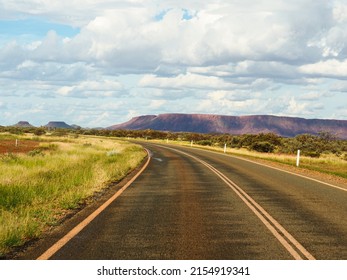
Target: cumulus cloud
[
  {"x": 188, "y": 80},
  {"x": 230, "y": 52},
  {"x": 84, "y": 89},
  {"x": 128, "y": 35},
  {"x": 331, "y": 68},
  {"x": 216, "y": 34},
  {"x": 231, "y": 107}
]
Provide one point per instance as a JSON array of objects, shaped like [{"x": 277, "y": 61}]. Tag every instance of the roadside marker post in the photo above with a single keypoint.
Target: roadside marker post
[
  {"x": 298, "y": 158},
  {"x": 225, "y": 148},
  {"x": 16, "y": 142}
]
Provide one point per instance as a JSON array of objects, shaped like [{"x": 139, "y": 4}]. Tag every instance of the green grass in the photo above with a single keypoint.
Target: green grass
[{"x": 36, "y": 188}]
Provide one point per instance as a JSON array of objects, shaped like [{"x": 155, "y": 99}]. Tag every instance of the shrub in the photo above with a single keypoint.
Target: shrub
[
  {"x": 204, "y": 142},
  {"x": 36, "y": 152},
  {"x": 263, "y": 147},
  {"x": 9, "y": 158},
  {"x": 39, "y": 131},
  {"x": 313, "y": 154}
]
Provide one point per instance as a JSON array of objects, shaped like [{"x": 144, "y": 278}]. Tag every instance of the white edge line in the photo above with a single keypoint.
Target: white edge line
[
  {"x": 252, "y": 204},
  {"x": 269, "y": 166}
]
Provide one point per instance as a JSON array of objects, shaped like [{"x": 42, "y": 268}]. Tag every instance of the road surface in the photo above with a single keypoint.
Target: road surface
[{"x": 194, "y": 204}]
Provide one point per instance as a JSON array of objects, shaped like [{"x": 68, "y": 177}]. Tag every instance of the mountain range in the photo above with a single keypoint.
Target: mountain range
[
  {"x": 52, "y": 124},
  {"x": 203, "y": 123}
]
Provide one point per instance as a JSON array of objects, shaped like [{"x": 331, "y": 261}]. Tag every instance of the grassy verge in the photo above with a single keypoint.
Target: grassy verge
[
  {"x": 36, "y": 188},
  {"x": 326, "y": 163}
]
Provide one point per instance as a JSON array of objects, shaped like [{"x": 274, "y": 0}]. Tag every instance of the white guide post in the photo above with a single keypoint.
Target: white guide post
[
  {"x": 298, "y": 159},
  {"x": 225, "y": 148}
]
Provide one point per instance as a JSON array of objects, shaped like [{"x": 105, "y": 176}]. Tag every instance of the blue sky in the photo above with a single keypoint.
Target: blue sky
[
  {"x": 34, "y": 27},
  {"x": 100, "y": 62}
]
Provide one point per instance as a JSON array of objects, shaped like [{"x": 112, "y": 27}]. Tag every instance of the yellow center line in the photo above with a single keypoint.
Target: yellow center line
[{"x": 295, "y": 248}]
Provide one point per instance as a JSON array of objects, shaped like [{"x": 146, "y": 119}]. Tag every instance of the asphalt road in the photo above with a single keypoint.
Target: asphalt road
[{"x": 193, "y": 204}]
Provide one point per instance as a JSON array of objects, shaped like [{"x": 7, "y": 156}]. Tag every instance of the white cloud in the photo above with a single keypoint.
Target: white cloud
[
  {"x": 183, "y": 54},
  {"x": 227, "y": 96},
  {"x": 188, "y": 80},
  {"x": 230, "y": 107},
  {"x": 339, "y": 86},
  {"x": 340, "y": 11},
  {"x": 331, "y": 68},
  {"x": 155, "y": 104},
  {"x": 104, "y": 88},
  {"x": 311, "y": 96},
  {"x": 296, "y": 108},
  {"x": 126, "y": 34}
]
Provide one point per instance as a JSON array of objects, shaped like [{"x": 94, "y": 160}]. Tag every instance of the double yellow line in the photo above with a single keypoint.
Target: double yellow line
[{"x": 281, "y": 234}]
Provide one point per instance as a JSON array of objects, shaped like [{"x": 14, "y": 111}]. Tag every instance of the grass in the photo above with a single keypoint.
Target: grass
[
  {"x": 326, "y": 163},
  {"x": 37, "y": 187}
]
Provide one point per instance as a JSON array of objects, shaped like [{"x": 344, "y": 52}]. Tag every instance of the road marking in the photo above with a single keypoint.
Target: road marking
[
  {"x": 282, "y": 235},
  {"x": 279, "y": 169},
  {"x": 72, "y": 233},
  {"x": 292, "y": 173}
]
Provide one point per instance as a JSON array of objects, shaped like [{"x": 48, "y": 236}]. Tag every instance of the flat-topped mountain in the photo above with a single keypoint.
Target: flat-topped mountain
[
  {"x": 23, "y": 124},
  {"x": 59, "y": 124},
  {"x": 201, "y": 123}
]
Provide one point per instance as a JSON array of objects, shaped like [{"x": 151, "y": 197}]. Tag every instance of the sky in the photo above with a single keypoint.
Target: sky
[{"x": 97, "y": 63}]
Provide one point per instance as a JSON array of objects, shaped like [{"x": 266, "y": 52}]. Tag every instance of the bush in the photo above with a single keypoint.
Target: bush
[
  {"x": 263, "y": 147},
  {"x": 204, "y": 142},
  {"x": 36, "y": 152},
  {"x": 39, "y": 131},
  {"x": 313, "y": 154}
]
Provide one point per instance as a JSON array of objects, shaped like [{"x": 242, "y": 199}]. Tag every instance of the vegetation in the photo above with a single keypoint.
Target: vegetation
[
  {"x": 38, "y": 187},
  {"x": 310, "y": 145},
  {"x": 68, "y": 166}
]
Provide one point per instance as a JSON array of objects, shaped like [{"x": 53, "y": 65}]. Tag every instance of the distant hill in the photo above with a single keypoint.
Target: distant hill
[
  {"x": 75, "y": 126},
  {"x": 23, "y": 124},
  {"x": 58, "y": 125},
  {"x": 201, "y": 123}
]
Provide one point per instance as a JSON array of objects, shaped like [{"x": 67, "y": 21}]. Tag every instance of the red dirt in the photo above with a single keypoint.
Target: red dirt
[{"x": 24, "y": 146}]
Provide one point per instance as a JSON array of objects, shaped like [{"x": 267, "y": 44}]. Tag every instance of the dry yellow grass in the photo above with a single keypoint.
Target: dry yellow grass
[{"x": 36, "y": 188}]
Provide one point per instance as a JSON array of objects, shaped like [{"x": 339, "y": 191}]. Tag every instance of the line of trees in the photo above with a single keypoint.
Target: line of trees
[{"x": 310, "y": 145}]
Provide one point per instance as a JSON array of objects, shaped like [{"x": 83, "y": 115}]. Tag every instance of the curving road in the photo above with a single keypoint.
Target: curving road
[{"x": 194, "y": 204}]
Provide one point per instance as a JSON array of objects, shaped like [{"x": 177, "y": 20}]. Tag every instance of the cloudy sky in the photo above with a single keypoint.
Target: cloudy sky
[{"x": 101, "y": 62}]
